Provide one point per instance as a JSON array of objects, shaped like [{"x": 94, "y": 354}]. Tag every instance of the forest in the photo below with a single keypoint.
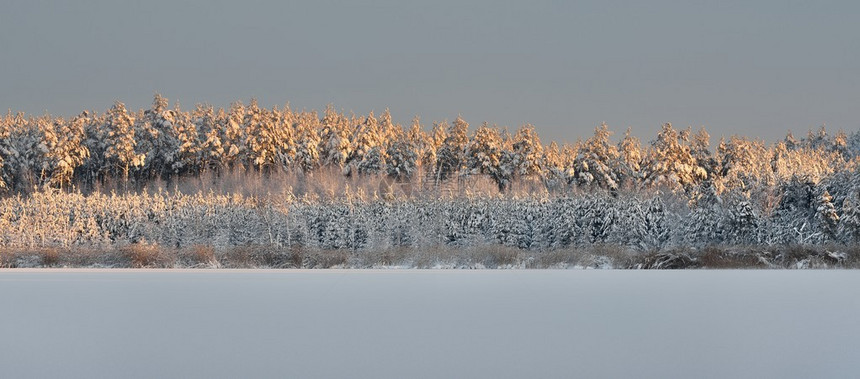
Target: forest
[{"x": 284, "y": 188}]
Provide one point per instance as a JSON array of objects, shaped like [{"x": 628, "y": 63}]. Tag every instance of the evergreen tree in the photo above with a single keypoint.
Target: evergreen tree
[
  {"x": 156, "y": 135},
  {"x": 209, "y": 147},
  {"x": 826, "y": 217},
  {"x": 484, "y": 154},
  {"x": 629, "y": 162},
  {"x": 817, "y": 140},
  {"x": 419, "y": 141},
  {"x": 791, "y": 219},
  {"x": 569, "y": 154},
  {"x": 435, "y": 140},
  {"x": 670, "y": 162},
  {"x": 367, "y": 155},
  {"x": 388, "y": 130},
  {"x": 260, "y": 141},
  {"x": 791, "y": 143},
  {"x": 701, "y": 152},
  {"x": 853, "y": 145},
  {"x": 187, "y": 139},
  {"x": 839, "y": 145},
  {"x": 233, "y": 135},
  {"x": 120, "y": 140},
  {"x": 527, "y": 151},
  {"x": 402, "y": 160},
  {"x": 744, "y": 164},
  {"x": 306, "y": 134},
  {"x": 554, "y": 174},
  {"x": 451, "y": 155},
  {"x": 656, "y": 228},
  {"x": 66, "y": 150},
  {"x": 594, "y": 158},
  {"x": 742, "y": 225},
  {"x": 270, "y": 139},
  {"x": 849, "y": 223},
  {"x": 334, "y": 139},
  {"x": 706, "y": 220}
]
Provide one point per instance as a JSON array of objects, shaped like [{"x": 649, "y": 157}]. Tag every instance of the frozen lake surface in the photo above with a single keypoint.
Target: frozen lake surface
[{"x": 439, "y": 324}]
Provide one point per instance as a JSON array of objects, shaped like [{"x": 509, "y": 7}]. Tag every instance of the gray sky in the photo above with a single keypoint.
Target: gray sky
[{"x": 754, "y": 69}]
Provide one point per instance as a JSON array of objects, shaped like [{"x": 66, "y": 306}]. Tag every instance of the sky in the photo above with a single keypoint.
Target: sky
[{"x": 755, "y": 68}]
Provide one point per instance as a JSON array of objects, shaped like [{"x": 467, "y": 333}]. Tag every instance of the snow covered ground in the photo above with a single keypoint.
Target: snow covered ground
[{"x": 435, "y": 323}]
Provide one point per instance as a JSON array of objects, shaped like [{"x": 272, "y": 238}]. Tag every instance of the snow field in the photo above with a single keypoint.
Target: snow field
[{"x": 405, "y": 323}]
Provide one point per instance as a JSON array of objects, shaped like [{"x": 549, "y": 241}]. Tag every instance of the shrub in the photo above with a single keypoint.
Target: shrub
[{"x": 146, "y": 256}]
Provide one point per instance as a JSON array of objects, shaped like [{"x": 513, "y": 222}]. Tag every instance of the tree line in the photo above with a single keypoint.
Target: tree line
[{"x": 166, "y": 143}]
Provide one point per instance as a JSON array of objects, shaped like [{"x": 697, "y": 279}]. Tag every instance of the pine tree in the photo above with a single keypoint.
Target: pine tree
[
  {"x": 260, "y": 141},
  {"x": 420, "y": 142},
  {"x": 22, "y": 149},
  {"x": 817, "y": 140},
  {"x": 66, "y": 150},
  {"x": 388, "y": 130},
  {"x": 6, "y": 126},
  {"x": 187, "y": 138},
  {"x": 308, "y": 140},
  {"x": 210, "y": 150},
  {"x": 826, "y": 217},
  {"x": 334, "y": 148},
  {"x": 600, "y": 217},
  {"x": 629, "y": 161},
  {"x": 270, "y": 140},
  {"x": 742, "y": 225},
  {"x": 451, "y": 155},
  {"x": 656, "y": 228},
  {"x": 791, "y": 220},
  {"x": 670, "y": 162},
  {"x": 156, "y": 135},
  {"x": 701, "y": 152},
  {"x": 791, "y": 143},
  {"x": 839, "y": 145},
  {"x": 554, "y": 170},
  {"x": 367, "y": 156},
  {"x": 745, "y": 164},
  {"x": 435, "y": 140},
  {"x": 568, "y": 160},
  {"x": 94, "y": 168},
  {"x": 284, "y": 138},
  {"x": 594, "y": 158},
  {"x": 402, "y": 157},
  {"x": 853, "y": 145},
  {"x": 120, "y": 140},
  {"x": 706, "y": 225},
  {"x": 233, "y": 135},
  {"x": 484, "y": 153},
  {"x": 527, "y": 151},
  {"x": 849, "y": 223}
]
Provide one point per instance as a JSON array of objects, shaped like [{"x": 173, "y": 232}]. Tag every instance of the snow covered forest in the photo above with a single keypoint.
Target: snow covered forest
[{"x": 277, "y": 181}]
